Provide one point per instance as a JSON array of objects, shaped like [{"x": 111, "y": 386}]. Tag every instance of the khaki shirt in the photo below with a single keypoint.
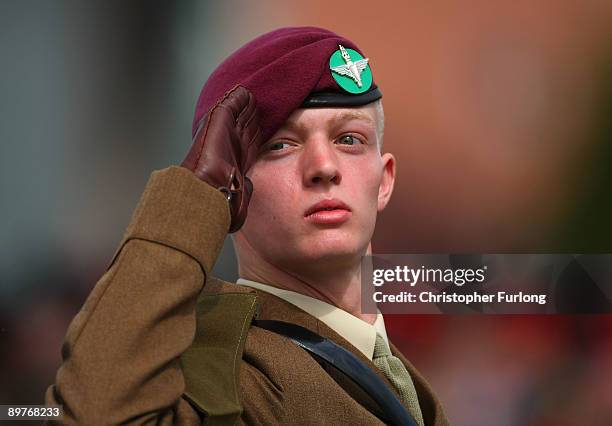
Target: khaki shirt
[{"x": 358, "y": 332}]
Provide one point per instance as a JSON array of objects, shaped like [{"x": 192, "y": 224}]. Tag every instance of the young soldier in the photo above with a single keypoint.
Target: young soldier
[{"x": 288, "y": 129}]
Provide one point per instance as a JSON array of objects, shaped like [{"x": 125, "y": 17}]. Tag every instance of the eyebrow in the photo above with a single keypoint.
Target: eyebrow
[
  {"x": 343, "y": 116},
  {"x": 353, "y": 115}
]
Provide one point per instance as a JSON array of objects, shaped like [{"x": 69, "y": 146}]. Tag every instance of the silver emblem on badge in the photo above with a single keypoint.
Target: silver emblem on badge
[{"x": 351, "y": 69}]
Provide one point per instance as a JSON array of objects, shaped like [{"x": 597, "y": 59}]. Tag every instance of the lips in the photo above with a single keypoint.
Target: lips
[{"x": 328, "y": 212}]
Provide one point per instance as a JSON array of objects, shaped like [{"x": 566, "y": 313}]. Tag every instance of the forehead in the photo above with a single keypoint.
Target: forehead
[{"x": 320, "y": 117}]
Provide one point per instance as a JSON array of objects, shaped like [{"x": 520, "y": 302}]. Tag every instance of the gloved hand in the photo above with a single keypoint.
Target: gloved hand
[{"x": 225, "y": 147}]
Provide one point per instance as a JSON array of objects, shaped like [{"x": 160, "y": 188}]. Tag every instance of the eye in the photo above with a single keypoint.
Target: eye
[
  {"x": 349, "y": 140},
  {"x": 278, "y": 146}
]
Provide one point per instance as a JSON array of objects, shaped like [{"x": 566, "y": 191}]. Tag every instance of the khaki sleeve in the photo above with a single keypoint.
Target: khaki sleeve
[{"x": 121, "y": 352}]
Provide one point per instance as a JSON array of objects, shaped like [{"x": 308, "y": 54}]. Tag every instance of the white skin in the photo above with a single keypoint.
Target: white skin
[{"x": 319, "y": 154}]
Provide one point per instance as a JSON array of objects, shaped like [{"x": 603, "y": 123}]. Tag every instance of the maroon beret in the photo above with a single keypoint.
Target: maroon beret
[{"x": 287, "y": 69}]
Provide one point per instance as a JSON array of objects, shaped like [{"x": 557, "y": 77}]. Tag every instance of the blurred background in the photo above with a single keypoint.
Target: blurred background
[{"x": 499, "y": 112}]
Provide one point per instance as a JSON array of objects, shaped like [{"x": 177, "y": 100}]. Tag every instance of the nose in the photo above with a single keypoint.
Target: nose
[{"x": 320, "y": 163}]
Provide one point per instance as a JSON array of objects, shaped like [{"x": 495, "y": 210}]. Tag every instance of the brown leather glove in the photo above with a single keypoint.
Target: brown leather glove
[{"x": 225, "y": 147}]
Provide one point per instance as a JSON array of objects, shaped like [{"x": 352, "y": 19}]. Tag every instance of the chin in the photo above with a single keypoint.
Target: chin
[{"x": 332, "y": 249}]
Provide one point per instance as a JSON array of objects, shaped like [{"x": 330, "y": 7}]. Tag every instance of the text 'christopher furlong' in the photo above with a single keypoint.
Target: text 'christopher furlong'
[{"x": 466, "y": 299}]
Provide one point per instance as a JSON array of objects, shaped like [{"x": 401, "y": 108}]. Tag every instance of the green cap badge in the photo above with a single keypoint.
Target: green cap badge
[{"x": 350, "y": 70}]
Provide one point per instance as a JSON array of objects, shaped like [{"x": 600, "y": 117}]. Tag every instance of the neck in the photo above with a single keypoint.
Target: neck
[{"x": 336, "y": 283}]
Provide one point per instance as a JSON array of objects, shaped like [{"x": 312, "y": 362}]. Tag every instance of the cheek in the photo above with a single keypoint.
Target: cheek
[
  {"x": 274, "y": 192},
  {"x": 366, "y": 183}
]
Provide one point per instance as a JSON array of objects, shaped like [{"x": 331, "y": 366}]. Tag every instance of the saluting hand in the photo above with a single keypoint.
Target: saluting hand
[{"x": 225, "y": 147}]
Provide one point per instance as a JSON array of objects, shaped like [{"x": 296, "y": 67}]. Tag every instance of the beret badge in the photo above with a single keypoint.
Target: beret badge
[{"x": 350, "y": 70}]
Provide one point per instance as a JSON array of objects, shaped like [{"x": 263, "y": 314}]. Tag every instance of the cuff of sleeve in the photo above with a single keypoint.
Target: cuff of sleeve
[{"x": 180, "y": 211}]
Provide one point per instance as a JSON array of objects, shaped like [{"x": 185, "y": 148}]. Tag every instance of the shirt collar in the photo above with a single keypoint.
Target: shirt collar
[{"x": 356, "y": 331}]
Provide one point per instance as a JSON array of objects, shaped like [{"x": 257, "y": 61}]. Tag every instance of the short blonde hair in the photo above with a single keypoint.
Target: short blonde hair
[{"x": 380, "y": 124}]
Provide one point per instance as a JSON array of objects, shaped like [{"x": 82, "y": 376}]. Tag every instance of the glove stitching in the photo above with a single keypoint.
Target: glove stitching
[
  {"x": 209, "y": 118},
  {"x": 257, "y": 133},
  {"x": 242, "y": 113},
  {"x": 248, "y": 122}
]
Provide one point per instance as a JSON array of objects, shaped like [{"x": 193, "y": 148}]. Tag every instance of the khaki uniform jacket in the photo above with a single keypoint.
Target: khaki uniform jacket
[{"x": 134, "y": 353}]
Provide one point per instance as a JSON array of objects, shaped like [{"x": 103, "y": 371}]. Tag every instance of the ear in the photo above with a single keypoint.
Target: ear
[{"x": 387, "y": 181}]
